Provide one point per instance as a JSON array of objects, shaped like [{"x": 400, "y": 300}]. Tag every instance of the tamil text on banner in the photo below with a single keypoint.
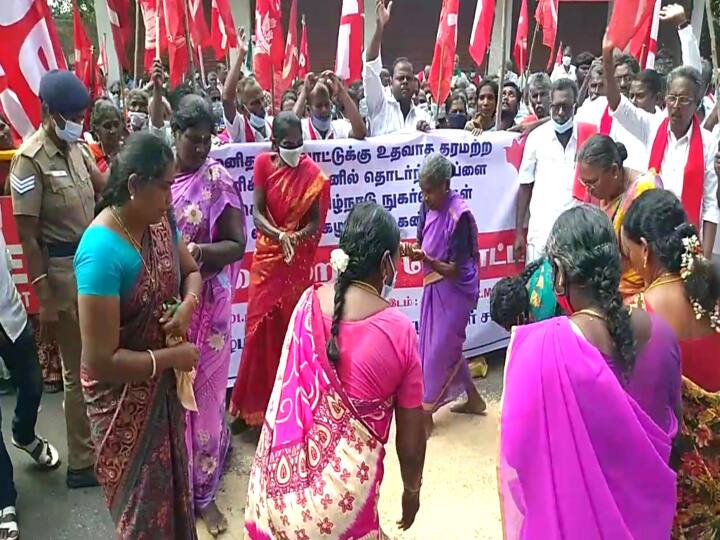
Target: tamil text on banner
[
  {"x": 19, "y": 269},
  {"x": 385, "y": 170}
]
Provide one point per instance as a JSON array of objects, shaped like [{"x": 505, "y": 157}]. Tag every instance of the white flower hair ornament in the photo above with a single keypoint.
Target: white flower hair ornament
[{"x": 339, "y": 260}]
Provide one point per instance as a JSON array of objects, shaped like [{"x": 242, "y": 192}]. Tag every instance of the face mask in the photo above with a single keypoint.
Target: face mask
[
  {"x": 388, "y": 287},
  {"x": 137, "y": 120},
  {"x": 321, "y": 124},
  {"x": 562, "y": 128},
  {"x": 258, "y": 122},
  {"x": 291, "y": 156},
  {"x": 566, "y": 61},
  {"x": 217, "y": 109},
  {"x": 424, "y": 107},
  {"x": 457, "y": 120},
  {"x": 71, "y": 133}
]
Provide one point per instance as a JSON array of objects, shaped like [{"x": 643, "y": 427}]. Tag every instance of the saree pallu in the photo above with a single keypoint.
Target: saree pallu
[
  {"x": 139, "y": 428},
  {"x": 319, "y": 463},
  {"x": 631, "y": 283},
  {"x": 199, "y": 200},
  {"x": 446, "y": 306},
  {"x": 276, "y": 286},
  {"x": 579, "y": 458}
]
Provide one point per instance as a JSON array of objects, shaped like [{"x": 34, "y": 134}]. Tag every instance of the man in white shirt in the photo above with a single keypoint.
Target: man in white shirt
[
  {"x": 547, "y": 172},
  {"x": 565, "y": 70},
  {"x": 320, "y": 125},
  {"x": 17, "y": 348},
  {"x": 646, "y": 92},
  {"x": 389, "y": 113},
  {"x": 684, "y": 92}
]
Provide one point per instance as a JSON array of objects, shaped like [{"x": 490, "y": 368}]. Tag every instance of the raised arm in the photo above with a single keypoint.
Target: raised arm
[
  {"x": 359, "y": 130},
  {"x": 374, "y": 91},
  {"x": 233, "y": 77},
  {"x": 157, "y": 108},
  {"x": 301, "y": 104},
  {"x": 612, "y": 90},
  {"x": 675, "y": 14}
]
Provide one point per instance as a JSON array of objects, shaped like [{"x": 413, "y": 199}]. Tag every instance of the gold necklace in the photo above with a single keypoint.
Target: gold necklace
[
  {"x": 368, "y": 288},
  {"x": 134, "y": 243},
  {"x": 591, "y": 313},
  {"x": 663, "y": 279}
]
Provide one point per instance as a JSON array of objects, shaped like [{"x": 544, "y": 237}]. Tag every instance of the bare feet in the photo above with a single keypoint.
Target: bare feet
[
  {"x": 475, "y": 404},
  {"x": 429, "y": 425},
  {"x": 214, "y": 519}
]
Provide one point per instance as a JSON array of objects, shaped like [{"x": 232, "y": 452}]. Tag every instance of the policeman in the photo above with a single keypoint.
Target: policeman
[{"x": 53, "y": 186}]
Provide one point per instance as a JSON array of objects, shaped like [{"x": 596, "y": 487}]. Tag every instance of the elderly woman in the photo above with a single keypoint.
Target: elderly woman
[
  {"x": 108, "y": 132},
  {"x": 447, "y": 247}
]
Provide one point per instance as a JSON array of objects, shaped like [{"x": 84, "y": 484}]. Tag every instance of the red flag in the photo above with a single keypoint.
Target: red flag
[
  {"x": 268, "y": 39},
  {"x": 304, "y": 58},
  {"x": 627, "y": 19},
  {"x": 443, "y": 62},
  {"x": 152, "y": 18},
  {"x": 348, "y": 58},
  {"x": 83, "y": 48},
  {"x": 119, "y": 16},
  {"x": 102, "y": 61},
  {"x": 482, "y": 29},
  {"x": 223, "y": 35},
  {"x": 30, "y": 49},
  {"x": 520, "y": 51},
  {"x": 643, "y": 44},
  {"x": 174, "y": 15},
  {"x": 546, "y": 16},
  {"x": 559, "y": 55},
  {"x": 199, "y": 33},
  {"x": 290, "y": 66}
]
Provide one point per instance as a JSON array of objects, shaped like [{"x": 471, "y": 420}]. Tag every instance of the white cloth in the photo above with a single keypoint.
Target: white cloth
[
  {"x": 689, "y": 48},
  {"x": 645, "y": 126},
  {"x": 13, "y": 316},
  {"x": 236, "y": 129},
  {"x": 559, "y": 72},
  {"x": 384, "y": 110},
  {"x": 592, "y": 113},
  {"x": 340, "y": 129},
  {"x": 551, "y": 170}
]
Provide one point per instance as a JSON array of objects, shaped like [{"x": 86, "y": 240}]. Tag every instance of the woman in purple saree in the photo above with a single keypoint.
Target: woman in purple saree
[
  {"x": 210, "y": 217},
  {"x": 590, "y": 404},
  {"x": 447, "y": 246}
]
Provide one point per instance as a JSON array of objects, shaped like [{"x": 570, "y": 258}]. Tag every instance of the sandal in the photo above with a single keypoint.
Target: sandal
[
  {"x": 42, "y": 452},
  {"x": 8, "y": 524}
]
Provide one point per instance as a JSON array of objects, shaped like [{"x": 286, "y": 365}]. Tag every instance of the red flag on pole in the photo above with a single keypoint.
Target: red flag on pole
[
  {"x": 152, "y": 17},
  {"x": 119, "y": 16},
  {"x": 643, "y": 44},
  {"x": 268, "y": 39},
  {"x": 520, "y": 51},
  {"x": 223, "y": 35},
  {"x": 348, "y": 58},
  {"x": 304, "y": 58},
  {"x": 627, "y": 19},
  {"x": 546, "y": 16},
  {"x": 83, "y": 48},
  {"x": 174, "y": 14},
  {"x": 557, "y": 60},
  {"x": 290, "y": 67},
  {"x": 198, "y": 27},
  {"x": 20, "y": 74},
  {"x": 482, "y": 30},
  {"x": 443, "y": 63}
]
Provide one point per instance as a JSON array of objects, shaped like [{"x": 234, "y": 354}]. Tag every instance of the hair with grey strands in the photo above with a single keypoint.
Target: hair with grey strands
[
  {"x": 437, "y": 169},
  {"x": 692, "y": 75},
  {"x": 541, "y": 80}
]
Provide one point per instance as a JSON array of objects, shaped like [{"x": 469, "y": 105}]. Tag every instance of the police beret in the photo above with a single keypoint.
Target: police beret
[{"x": 63, "y": 92}]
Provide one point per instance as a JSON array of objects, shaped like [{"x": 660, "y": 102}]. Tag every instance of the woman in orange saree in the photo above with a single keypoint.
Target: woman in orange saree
[{"x": 291, "y": 200}]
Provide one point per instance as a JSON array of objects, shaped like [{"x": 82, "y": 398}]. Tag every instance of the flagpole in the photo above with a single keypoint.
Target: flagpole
[
  {"x": 713, "y": 42},
  {"x": 189, "y": 44},
  {"x": 503, "y": 49},
  {"x": 532, "y": 48},
  {"x": 137, "y": 42}
]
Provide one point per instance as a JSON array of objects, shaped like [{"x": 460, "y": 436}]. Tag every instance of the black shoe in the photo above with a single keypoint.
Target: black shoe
[{"x": 81, "y": 478}]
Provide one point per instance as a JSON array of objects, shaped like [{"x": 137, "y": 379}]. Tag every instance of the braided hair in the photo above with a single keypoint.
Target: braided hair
[
  {"x": 658, "y": 216},
  {"x": 584, "y": 246},
  {"x": 143, "y": 154},
  {"x": 509, "y": 298},
  {"x": 369, "y": 233}
]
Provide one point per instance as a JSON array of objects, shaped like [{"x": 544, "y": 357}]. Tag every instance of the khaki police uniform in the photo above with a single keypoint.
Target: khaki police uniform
[{"x": 55, "y": 187}]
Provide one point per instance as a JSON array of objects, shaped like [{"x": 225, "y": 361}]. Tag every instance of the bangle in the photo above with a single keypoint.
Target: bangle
[
  {"x": 38, "y": 279},
  {"x": 196, "y": 298},
  {"x": 154, "y": 363}
]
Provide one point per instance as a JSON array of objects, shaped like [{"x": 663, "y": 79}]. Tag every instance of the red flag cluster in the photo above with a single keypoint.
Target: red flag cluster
[
  {"x": 348, "y": 60},
  {"x": 643, "y": 44},
  {"x": 628, "y": 18},
  {"x": 443, "y": 63},
  {"x": 520, "y": 50}
]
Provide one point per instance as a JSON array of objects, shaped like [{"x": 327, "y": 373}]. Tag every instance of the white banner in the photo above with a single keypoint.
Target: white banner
[{"x": 385, "y": 170}]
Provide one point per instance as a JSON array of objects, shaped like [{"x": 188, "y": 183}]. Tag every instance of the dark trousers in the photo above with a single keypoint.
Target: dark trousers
[{"x": 22, "y": 363}]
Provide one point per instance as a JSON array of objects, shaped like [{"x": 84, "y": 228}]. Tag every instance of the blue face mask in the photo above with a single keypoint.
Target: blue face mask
[
  {"x": 563, "y": 128},
  {"x": 321, "y": 124},
  {"x": 258, "y": 122},
  {"x": 457, "y": 120}
]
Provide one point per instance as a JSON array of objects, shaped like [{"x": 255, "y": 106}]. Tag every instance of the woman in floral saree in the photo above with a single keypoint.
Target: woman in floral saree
[
  {"x": 130, "y": 264},
  {"x": 291, "y": 199},
  {"x": 601, "y": 171},
  {"x": 212, "y": 222},
  {"x": 683, "y": 288},
  {"x": 348, "y": 363}
]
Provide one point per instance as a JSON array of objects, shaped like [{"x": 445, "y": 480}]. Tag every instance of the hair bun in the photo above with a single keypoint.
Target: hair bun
[
  {"x": 622, "y": 151},
  {"x": 685, "y": 229}
]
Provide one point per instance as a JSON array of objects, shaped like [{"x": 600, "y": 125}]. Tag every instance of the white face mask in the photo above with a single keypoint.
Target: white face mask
[
  {"x": 258, "y": 122},
  {"x": 563, "y": 128},
  {"x": 291, "y": 156},
  {"x": 71, "y": 133},
  {"x": 566, "y": 61},
  {"x": 137, "y": 120},
  {"x": 388, "y": 287}
]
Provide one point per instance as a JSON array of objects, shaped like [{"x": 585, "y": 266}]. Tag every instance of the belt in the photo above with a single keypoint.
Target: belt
[{"x": 62, "y": 249}]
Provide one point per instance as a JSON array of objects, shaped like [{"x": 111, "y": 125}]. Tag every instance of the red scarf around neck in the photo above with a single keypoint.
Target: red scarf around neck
[
  {"x": 692, "y": 190},
  {"x": 606, "y": 122}
]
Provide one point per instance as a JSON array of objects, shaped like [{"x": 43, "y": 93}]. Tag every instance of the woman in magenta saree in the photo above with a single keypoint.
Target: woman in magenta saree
[
  {"x": 292, "y": 196},
  {"x": 590, "y": 404},
  {"x": 211, "y": 220}
]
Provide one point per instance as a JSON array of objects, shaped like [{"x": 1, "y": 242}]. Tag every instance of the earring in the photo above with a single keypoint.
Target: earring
[
  {"x": 644, "y": 262},
  {"x": 132, "y": 197}
]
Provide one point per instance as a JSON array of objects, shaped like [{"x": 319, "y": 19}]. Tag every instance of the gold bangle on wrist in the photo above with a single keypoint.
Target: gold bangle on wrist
[
  {"x": 39, "y": 279},
  {"x": 154, "y": 364},
  {"x": 196, "y": 298}
]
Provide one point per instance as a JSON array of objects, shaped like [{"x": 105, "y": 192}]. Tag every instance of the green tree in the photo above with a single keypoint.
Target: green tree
[{"x": 63, "y": 8}]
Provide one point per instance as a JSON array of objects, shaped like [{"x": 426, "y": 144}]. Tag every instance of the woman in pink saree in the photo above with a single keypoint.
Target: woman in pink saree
[
  {"x": 210, "y": 217},
  {"x": 590, "y": 403},
  {"x": 348, "y": 362}
]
